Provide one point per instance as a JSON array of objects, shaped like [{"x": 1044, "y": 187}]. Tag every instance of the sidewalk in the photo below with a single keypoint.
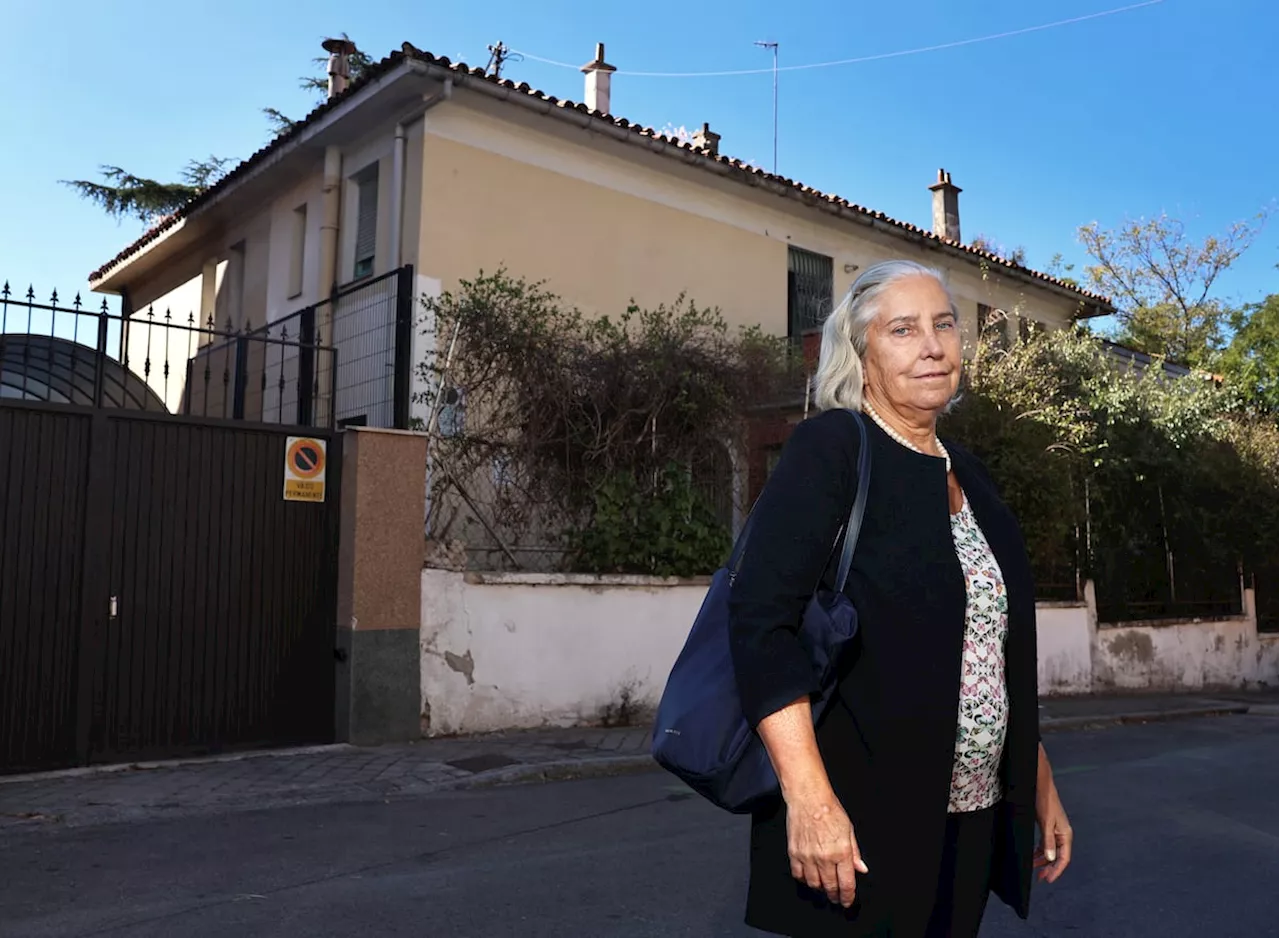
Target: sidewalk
[{"x": 341, "y": 773}]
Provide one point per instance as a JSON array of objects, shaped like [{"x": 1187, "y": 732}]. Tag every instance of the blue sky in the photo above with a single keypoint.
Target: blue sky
[{"x": 1171, "y": 107}]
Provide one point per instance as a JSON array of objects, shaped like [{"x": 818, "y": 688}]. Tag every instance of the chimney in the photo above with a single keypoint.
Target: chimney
[
  {"x": 707, "y": 139},
  {"x": 946, "y": 207},
  {"x": 599, "y": 73},
  {"x": 339, "y": 64}
]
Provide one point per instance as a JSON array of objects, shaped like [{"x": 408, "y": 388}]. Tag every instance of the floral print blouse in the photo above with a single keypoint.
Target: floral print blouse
[{"x": 984, "y": 701}]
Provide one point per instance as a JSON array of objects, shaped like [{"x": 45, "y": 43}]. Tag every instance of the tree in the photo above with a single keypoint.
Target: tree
[
  {"x": 1017, "y": 255},
  {"x": 122, "y": 194},
  {"x": 357, "y": 63},
  {"x": 1251, "y": 360},
  {"x": 1163, "y": 281},
  {"x": 1059, "y": 268},
  {"x": 603, "y": 442}
]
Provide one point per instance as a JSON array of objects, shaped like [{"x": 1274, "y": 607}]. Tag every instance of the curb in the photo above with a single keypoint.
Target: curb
[
  {"x": 558, "y": 771},
  {"x": 109, "y": 768},
  {"x": 1056, "y": 724}
]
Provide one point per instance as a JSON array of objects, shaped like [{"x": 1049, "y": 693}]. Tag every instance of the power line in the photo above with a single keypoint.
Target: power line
[{"x": 866, "y": 58}]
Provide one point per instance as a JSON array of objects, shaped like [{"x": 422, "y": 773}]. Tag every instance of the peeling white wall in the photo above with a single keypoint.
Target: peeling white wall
[
  {"x": 505, "y": 651},
  {"x": 512, "y": 651},
  {"x": 1183, "y": 656}
]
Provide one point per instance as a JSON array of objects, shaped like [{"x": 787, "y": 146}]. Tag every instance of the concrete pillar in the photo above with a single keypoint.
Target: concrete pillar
[{"x": 379, "y": 696}]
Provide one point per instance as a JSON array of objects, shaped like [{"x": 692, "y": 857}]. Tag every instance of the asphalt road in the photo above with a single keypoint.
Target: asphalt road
[{"x": 1176, "y": 826}]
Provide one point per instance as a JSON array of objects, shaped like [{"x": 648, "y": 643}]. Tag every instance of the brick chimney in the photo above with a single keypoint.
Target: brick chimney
[
  {"x": 339, "y": 64},
  {"x": 599, "y": 73},
  {"x": 946, "y": 207},
  {"x": 707, "y": 139}
]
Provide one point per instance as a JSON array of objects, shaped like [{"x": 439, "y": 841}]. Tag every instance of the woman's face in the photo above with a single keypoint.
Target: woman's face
[{"x": 912, "y": 360}]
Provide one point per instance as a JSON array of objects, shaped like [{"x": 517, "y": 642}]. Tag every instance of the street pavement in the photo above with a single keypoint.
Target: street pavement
[
  {"x": 1176, "y": 826},
  {"x": 323, "y": 774}
]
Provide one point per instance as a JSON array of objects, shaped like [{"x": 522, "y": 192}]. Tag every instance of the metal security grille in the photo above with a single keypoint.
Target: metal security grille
[{"x": 809, "y": 286}]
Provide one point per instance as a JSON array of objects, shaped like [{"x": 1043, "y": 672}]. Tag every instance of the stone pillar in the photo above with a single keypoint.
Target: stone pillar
[{"x": 379, "y": 697}]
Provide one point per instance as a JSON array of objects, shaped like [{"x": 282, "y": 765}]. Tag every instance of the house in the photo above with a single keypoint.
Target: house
[{"x": 432, "y": 167}]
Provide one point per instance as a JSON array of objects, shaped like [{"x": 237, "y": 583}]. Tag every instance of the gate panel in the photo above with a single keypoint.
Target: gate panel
[
  {"x": 43, "y": 465},
  {"x": 224, "y": 594}
]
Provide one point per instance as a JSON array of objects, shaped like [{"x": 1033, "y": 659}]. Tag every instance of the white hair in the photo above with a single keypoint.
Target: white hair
[{"x": 839, "y": 379}]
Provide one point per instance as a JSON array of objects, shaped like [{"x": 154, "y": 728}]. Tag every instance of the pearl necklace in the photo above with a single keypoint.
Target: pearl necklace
[{"x": 899, "y": 438}]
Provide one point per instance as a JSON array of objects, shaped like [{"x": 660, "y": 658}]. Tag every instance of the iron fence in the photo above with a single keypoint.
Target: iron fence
[
  {"x": 155, "y": 361},
  {"x": 371, "y": 323},
  {"x": 1266, "y": 592},
  {"x": 343, "y": 361}
]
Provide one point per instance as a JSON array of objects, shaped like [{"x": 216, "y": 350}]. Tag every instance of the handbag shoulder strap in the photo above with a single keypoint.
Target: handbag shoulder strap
[
  {"x": 854, "y": 527},
  {"x": 850, "y": 530}
]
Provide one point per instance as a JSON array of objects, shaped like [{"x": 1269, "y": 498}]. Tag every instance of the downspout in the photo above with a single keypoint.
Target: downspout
[
  {"x": 330, "y": 215},
  {"x": 397, "y": 223},
  {"x": 398, "y": 161}
]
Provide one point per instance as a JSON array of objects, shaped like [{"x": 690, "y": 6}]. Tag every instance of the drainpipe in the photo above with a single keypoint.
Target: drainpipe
[
  {"x": 397, "y": 167},
  {"x": 331, "y": 212}
]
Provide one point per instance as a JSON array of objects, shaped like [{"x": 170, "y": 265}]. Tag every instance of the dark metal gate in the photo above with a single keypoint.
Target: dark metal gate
[{"x": 157, "y": 593}]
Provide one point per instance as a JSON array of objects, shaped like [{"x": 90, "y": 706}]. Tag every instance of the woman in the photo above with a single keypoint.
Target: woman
[{"x": 918, "y": 792}]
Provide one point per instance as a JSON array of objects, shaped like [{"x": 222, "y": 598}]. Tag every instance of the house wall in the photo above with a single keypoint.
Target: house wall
[
  {"x": 503, "y": 651},
  {"x": 605, "y": 224}
]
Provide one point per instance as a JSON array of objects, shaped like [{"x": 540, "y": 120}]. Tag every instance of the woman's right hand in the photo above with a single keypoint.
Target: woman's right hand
[{"x": 822, "y": 846}]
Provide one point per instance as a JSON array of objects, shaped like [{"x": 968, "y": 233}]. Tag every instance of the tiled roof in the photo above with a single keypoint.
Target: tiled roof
[{"x": 745, "y": 171}]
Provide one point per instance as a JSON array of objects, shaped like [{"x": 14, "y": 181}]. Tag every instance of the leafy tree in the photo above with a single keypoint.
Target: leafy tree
[
  {"x": 1250, "y": 361},
  {"x": 122, "y": 194},
  {"x": 1058, "y": 267},
  {"x": 357, "y": 63},
  {"x": 1154, "y": 486},
  {"x": 1163, "y": 282},
  {"x": 1017, "y": 255},
  {"x": 604, "y": 442}
]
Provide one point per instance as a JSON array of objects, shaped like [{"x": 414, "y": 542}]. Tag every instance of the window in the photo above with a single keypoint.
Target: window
[
  {"x": 809, "y": 285},
  {"x": 1028, "y": 327},
  {"x": 366, "y": 221},
  {"x": 993, "y": 325},
  {"x": 297, "y": 250}
]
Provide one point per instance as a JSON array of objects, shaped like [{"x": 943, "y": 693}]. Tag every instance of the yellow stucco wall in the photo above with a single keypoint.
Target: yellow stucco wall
[{"x": 597, "y": 248}]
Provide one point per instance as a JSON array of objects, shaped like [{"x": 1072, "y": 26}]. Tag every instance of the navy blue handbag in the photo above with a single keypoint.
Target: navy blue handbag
[{"x": 701, "y": 734}]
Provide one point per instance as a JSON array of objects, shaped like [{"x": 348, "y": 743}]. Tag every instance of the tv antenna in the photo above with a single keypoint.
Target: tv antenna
[{"x": 773, "y": 46}]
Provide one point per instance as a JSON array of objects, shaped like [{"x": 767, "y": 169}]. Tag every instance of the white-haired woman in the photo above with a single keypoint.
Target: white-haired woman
[{"x": 918, "y": 793}]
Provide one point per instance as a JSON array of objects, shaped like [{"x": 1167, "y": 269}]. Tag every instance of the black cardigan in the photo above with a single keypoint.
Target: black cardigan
[{"x": 889, "y": 744}]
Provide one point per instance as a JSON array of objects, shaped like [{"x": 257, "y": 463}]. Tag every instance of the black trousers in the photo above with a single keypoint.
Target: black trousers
[{"x": 965, "y": 876}]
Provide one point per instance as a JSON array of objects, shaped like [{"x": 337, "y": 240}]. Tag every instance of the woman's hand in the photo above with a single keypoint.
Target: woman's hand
[
  {"x": 1053, "y": 855},
  {"x": 824, "y": 853},
  {"x": 823, "y": 849}
]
